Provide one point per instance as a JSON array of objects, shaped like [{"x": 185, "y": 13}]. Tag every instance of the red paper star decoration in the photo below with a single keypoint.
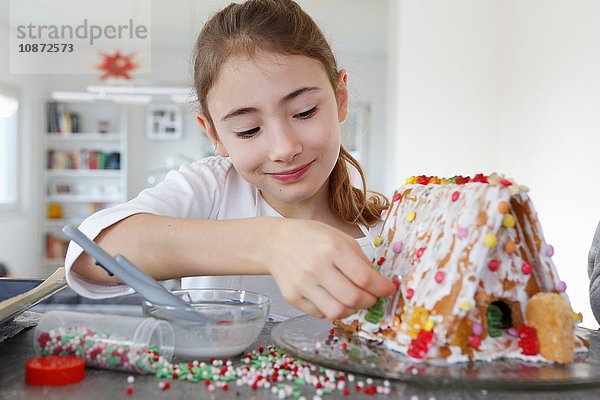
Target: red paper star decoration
[{"x": 117, "y": 65}]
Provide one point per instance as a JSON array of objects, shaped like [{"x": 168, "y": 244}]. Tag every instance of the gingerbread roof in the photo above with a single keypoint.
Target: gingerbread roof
[{"x": 448, "y": 241}]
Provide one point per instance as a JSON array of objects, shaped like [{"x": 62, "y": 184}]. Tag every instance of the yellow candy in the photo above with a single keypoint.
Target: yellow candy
[
  {"x": 577, "y": 317},
  {"x": 523, "y": 188},
  {"x": 410, "y": 217},
  {"x": 466, "y": 305},
  {"x": 377, "y": 241},
  {"x": 429, "y": 325},
  {"x": 509, "y": 221},
  {"x": 491, "y": 240}
]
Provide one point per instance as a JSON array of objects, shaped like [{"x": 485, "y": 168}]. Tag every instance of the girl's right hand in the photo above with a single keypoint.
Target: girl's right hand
[{"x": 321, "y": 270}]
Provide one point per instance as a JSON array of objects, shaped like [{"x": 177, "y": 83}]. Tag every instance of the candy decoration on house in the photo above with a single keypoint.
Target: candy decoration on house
[
  {"x": 117, "y": 65},
  {"x": 478, "y": 281}
]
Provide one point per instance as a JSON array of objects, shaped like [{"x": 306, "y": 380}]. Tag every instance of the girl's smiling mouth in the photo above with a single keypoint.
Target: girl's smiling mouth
[{"x": 291, "y": 175}]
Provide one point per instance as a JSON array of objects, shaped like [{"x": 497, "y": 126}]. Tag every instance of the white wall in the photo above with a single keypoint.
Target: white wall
[{"x": 507, "y": 86}]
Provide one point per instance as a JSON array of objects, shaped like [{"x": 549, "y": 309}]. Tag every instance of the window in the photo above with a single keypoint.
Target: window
[{"x": 9, "y": 106}]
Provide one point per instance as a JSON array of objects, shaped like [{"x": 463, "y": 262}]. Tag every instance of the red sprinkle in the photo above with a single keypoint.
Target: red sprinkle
[
  {"x": 331, "y": 332},
  {"x": 344, "y": 346},
  {"x": 419, "y": 346},
  {"x": 455, "y": 196},
  {"x": 420, "y": 252},
  {"x": 225, "y": 387},
  {"x": 439, "y": 276},
  {"x": 346, "y": 392},
  {"x": 396, "y": 197},
  {"x": 505, "y": 182},
  {"x": 129, "y": 390},
  {"x": 422, "y": 180},
  {"x": 494, "y": 265},
  {"x": 480, "y": 178},
  {"x": 207, "y": 382},
  {"x": 175, "y": 376},
  {"x": 528, "y": 341},
  {"x": 474, "y": 341},
  {"x": 526, "y": 268},
  {"x": 380, "y": 261},
  {"x": 409, "y": 293},
  {"x": 167, "y": 385}
]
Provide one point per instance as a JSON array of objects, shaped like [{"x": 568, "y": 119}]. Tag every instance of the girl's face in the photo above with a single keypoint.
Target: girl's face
[{"x": 277, "y": 117}]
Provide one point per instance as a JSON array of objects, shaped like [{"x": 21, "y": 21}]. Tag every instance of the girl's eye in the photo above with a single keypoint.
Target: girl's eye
[
  {"x": 247, "y": 134},
  {"x": 307, "y": 114}
]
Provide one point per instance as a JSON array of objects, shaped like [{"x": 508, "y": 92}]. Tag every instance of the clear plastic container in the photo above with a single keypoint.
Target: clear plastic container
[{"x": 117, "y": 342}]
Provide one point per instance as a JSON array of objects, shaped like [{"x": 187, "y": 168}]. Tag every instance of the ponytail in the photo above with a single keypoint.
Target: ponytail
[{"x": 350, "y": 203}]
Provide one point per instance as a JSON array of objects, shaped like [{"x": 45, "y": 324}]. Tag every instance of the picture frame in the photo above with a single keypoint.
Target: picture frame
[
  {"x": 355, "y": 130},
  {"x": 164, "y": 122}
]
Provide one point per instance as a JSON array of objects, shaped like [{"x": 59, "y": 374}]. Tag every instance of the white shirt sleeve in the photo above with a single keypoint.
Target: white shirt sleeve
[{"x": 193, "y": 191}]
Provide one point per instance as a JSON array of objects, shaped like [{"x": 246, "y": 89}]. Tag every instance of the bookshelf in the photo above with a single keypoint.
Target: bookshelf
[{"x": 85, "y": 169}]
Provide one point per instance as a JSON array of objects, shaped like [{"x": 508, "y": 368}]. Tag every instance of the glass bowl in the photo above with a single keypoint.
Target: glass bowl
[{"x": 217, "y": 323}]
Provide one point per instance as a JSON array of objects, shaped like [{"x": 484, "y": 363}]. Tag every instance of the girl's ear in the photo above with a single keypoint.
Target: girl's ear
[
  {"x": 212, "y": 134},
  {"x": 342, "y": 95}
]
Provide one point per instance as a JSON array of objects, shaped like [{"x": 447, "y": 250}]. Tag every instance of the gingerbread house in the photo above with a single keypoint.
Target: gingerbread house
[{"x": 475, "y": 276}]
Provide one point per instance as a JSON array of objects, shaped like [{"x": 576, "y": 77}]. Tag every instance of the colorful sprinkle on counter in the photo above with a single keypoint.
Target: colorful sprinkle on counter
[{"x": 268, "y": 368}]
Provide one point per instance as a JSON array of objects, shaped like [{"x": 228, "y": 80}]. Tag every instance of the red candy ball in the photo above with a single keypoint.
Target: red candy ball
[
  {"x": 494, "y": 265},
  {"x": 526, "y": 268}
]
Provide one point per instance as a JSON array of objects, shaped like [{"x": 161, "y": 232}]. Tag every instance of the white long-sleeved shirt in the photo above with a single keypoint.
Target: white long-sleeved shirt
[{"x": 208, "y": 189}]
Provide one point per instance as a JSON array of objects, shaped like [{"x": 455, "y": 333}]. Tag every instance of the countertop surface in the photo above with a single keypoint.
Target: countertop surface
[{"x": 105, "y": 384}]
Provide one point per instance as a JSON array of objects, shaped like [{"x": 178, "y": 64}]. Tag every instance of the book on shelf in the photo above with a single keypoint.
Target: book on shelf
[
  {"x": 83, "y": 160},
  {"x": 56, "y": 247},
  {"x": 61, "y": 120}
]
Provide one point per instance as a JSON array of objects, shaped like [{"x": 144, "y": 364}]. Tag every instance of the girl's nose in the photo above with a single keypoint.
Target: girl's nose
[{"x": 285, "y": 145}]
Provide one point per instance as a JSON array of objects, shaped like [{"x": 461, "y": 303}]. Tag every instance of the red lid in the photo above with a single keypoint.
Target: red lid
[{"x": 54, "y": 370}]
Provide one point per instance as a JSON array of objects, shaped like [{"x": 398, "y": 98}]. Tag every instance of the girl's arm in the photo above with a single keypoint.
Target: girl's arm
[{"x": 319, "y": 269}]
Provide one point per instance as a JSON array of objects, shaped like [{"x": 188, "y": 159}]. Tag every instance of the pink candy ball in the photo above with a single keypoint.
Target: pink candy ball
[{"x": 397, "y": 248}]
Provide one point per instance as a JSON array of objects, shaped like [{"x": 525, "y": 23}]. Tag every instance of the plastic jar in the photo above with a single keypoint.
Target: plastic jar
[{"x": 115, "y": 342}]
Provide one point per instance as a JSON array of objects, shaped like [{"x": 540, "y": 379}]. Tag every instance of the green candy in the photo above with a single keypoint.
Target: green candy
[
  {"x": 376, "y": 311},
  {"x": 494, "y": 316}
]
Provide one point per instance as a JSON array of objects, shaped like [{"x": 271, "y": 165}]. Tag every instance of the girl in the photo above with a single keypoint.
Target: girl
[{"x": 271, "y": 100}]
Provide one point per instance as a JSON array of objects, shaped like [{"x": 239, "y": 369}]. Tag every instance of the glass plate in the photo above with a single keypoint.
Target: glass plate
[{"x": 308, "y": 338}]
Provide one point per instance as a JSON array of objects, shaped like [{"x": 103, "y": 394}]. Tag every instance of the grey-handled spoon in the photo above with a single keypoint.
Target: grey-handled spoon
[{"x": 142, "y": 283}]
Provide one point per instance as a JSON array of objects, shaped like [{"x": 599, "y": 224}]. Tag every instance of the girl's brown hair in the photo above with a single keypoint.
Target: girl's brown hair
[{"x": 281, "y": 26}]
